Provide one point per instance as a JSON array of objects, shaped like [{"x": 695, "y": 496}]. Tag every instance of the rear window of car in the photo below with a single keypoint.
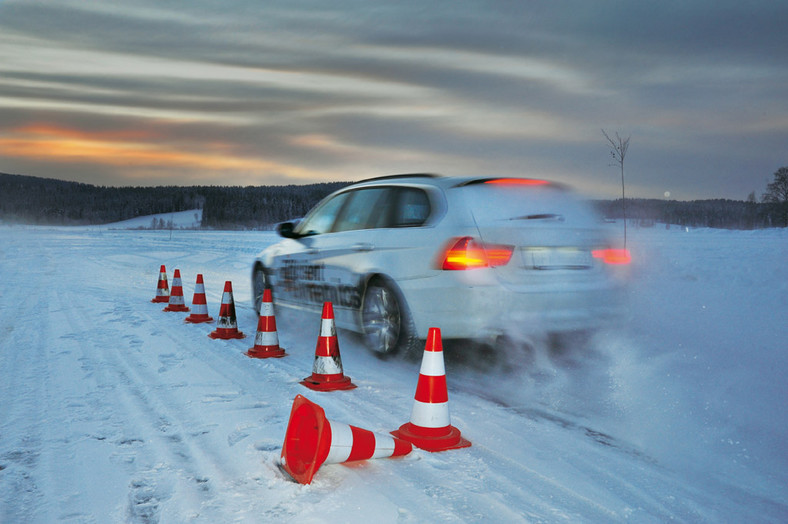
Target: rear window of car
[{"x": 499, "y": 203}]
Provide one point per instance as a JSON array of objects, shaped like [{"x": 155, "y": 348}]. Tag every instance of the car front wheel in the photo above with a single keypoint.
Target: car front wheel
[{"x": 258, "y": 286}]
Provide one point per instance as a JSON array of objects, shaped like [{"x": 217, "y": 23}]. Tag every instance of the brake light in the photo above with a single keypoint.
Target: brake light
[
  {"x": 466, "y": 253},
  {"x": 613, "y": 256},
  {"x": 517, "y": 181}
]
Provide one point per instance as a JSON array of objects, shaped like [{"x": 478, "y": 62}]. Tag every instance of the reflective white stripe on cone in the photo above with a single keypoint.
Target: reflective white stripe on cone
[
  {"x": 199, "y": 304},
  {"x": 176, "y": 302},
  {"x": 162, "y": 291},
  {"x": 227, "y": 326},
  {"x": 312, "y": 440},
  {"x": 266, "y": 340},
  {"x": 327, "y": 374},
  {"x": 430, "y": 424}
]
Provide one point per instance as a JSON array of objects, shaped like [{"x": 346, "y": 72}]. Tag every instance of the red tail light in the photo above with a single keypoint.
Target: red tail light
[
  {"x": 613, "y": 256},
  {"x": 466, "y": 253},
  {"x": 517, "y": 181}
]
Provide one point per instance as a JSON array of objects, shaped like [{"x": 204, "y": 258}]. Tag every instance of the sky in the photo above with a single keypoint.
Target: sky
[{"x": 250, "y": 92}]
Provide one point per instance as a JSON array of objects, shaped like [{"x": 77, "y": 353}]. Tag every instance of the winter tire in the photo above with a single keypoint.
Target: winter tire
[
  {"x": 259, "y": 284},
  {"x": 388, "y": 328}
]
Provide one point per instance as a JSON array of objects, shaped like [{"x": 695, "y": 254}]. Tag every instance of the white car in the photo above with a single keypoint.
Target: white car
[{"x": 476, "y": 257}]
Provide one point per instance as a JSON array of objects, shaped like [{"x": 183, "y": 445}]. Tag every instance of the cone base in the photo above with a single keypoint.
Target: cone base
[
  {"x": 156, "y": 300},
  {"x": 226, "y": 334},
  {"x": 197, "y": 319},
  {"x": 317, "y": 384},
  {"x": 452, "y": 439},
  {"x": 182, "y": 309},
  {"x": 265, "y": 353}
]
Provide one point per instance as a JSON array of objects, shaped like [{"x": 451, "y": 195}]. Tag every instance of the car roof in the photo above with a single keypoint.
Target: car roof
[{"x": 442, "y": 181}]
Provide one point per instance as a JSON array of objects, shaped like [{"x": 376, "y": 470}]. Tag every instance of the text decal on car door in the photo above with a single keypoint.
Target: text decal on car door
[{"x": 307, "y": 283}]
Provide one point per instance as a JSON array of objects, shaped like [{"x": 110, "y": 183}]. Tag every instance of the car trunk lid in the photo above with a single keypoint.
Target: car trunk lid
[{"x": 552, "y": 231}]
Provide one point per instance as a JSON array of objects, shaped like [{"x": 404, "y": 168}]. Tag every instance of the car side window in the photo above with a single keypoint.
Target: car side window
[
  {"x": 413, "y": 208},
  {"x": 364, "y": 210},
  {"x": 322, "y": 218}
]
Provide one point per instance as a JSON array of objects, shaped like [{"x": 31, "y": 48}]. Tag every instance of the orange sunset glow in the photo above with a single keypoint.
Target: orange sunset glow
[{"x": 127, "y": 147}]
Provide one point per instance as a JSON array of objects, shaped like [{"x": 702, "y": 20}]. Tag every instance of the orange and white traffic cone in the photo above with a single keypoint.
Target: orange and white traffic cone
[
  {"x": 312, "y": 440},
  {"x": 162, "y": 291},
  {"x": 430, "y": 425},
  {"x": 266, "y": 341},
  {"x": 327, "y": 372},
  {"x": 176, "y": 302},
  {"x": 227, "y": 325},
  {"x": 199, "y": 304}
]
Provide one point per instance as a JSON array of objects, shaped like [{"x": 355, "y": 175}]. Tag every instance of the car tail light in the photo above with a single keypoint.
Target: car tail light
[
  {"x": 613, "y": 256},
  {"x": 467, "y": 253},
  {"x": 517, "y": 181}
]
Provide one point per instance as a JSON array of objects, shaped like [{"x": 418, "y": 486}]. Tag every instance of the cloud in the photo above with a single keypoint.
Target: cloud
[{"x": 287, "y": 91}]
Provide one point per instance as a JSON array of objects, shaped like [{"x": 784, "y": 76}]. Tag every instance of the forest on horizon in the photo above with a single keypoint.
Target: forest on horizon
[{"x": 46, "y": 201}]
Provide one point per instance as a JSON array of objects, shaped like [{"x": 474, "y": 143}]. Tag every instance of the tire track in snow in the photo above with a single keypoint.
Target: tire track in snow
[
  {"x": 167, "y": 373},
  {"x": 164, "y": 454},
  {"x": 23, "y": 410},
  {"x": 121, "y": 352},
  {"x": 30, "y": 395}
]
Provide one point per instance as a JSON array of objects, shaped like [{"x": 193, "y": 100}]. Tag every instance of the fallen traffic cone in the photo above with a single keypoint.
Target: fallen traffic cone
[
  {"x": 176, "y": 294},
  {"x": 227, "y": 326},
  {"x": 430, "y": 426},
  {"x": 266, "y": 341},
  {"x": 162, "y": 291},
  {"x": 327, "y": 370},
  {"x": 312, "y": 440},
  {"x": 199, "y": 304}
]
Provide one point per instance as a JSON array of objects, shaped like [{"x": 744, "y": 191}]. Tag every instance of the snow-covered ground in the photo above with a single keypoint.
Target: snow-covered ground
[{"x": 114, "y": 411}]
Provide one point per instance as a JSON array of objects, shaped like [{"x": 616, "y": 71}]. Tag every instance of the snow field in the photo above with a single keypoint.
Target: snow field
[{"x": 114, "y": 411}]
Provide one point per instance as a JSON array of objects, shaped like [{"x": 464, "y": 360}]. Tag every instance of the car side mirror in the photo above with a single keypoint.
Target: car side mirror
[{"x": 285, "y": 229}]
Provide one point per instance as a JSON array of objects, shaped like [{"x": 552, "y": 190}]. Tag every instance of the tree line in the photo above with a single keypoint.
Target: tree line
[
  {"x": 45, "y": 201},
  {"x": 33, "y": 200},
  {"x": 772, "y": 211},
  {"x": 716, "y": 213},
  {"x": 259, "y": 207}
]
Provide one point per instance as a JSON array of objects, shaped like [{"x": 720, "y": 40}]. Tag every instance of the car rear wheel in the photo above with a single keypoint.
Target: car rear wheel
[{"x": 388, "y": 328}]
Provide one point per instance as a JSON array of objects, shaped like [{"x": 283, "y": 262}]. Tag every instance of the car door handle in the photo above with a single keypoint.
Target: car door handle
[
  {"x": 363, "y": 246},
  {"x": 312, "y": 251}
]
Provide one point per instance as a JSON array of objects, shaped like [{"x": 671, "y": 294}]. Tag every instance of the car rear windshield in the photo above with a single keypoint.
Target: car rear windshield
[{"x": 521, "y": 203}]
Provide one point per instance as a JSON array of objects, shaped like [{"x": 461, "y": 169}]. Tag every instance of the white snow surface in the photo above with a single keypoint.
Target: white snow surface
[{"x": 112, "y": 410}]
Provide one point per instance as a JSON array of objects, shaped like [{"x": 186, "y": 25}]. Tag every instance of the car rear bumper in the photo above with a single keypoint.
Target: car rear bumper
[{"x": 480, "y": 311}]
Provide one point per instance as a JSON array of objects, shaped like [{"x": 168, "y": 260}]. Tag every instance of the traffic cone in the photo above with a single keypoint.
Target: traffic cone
[
  {"x": 430, "y": 426},
  {"x": 227, "y": 326},
  {"x": 162, "y": 291},
  {"x": 312, "y": 440},
  {"x": 176, "y": 294},
  {"x": 199, "y": 304},
  {"x": 266, "y": 341},
  {"x": 327, "y": 370}
]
